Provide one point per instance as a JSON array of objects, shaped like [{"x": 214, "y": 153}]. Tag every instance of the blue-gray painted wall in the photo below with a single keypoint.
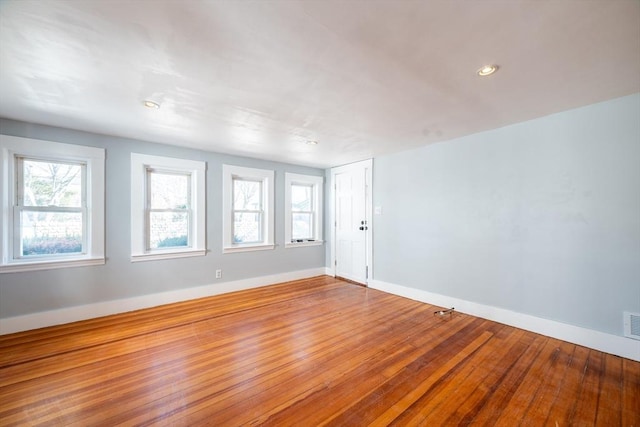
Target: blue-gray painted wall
[{"x": 541, "y": 217}]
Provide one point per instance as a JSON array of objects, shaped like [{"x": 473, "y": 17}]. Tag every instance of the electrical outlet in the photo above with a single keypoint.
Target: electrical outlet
[{"x": 218, "y": 274}]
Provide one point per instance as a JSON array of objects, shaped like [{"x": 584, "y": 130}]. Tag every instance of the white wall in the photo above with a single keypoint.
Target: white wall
[
  {"x": 541, "y": 218},
  {"x": 50, "y": 291}
]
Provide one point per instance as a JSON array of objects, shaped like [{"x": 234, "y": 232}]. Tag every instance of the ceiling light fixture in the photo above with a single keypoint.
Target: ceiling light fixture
[
  {"x": 151, "y": 104},
  {"x": 487, "y": 70},
  {"x": 312, "y": 142}
]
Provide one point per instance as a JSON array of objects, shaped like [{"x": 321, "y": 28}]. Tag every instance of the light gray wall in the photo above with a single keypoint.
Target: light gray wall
[
  {"x": 25, "y": 293},
  {"x": 541, "y": 218}
]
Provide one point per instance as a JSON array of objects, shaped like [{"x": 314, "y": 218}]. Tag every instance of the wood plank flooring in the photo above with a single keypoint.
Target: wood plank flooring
[{"x": 308, "y": 353}]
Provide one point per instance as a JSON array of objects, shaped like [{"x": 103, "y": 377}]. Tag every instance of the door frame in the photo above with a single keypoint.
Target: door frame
[{"x": 368, "y": 208}]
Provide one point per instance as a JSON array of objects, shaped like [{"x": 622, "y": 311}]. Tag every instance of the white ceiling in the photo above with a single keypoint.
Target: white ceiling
[{"x": 260, "y": 78}]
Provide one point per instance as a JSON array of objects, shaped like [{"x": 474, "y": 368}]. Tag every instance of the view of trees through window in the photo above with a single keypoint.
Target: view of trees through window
[
  {"x": 52, "y": 208},
  {"x": 169, "y": 213},
  {"x": 247, "y": 211},
  {"x": 50, "y": 201}
]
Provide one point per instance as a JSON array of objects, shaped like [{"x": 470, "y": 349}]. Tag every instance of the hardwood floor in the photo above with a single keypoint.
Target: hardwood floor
[{"x": 307, "y": 353}]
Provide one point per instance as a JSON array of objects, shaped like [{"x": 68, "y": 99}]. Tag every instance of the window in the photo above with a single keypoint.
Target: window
[
  {"x": 303, "y": 210},
  {"x": 169, "y": 215},
  {"x": 51, "y": 209},
  {"x": 167, "y": 207},
  {"x": 52, "y": 203},
  {"x": 247, "y": 209}
]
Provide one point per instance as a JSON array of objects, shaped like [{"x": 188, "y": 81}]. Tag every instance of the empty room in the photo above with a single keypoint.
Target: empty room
[{"x": 320, "y": 212}]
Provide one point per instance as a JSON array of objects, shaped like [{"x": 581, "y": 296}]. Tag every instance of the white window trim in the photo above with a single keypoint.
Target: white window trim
[
  {"x": 94, "y": 158},
  {"x": 267, "y": 179},
  {"x": 317, "y": 183},
  {"x": 139, "y": 165}
]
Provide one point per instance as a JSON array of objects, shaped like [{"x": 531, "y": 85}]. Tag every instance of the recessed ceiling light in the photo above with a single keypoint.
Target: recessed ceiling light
[
  {"x": 312, "y": 142},
  {"x": 487, "y": 70},
  {"x": 151, "y": 104}
]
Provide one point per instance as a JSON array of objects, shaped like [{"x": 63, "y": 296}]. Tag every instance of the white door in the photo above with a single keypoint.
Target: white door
[{"x": 352, "y": 221}]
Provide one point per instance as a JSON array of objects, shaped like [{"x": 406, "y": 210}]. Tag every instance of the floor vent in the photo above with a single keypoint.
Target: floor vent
[{"x": 632, "y": 325}]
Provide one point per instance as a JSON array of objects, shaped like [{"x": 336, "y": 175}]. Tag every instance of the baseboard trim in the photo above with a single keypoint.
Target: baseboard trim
[
  {"x": 608, "y": 343},
  {"x": 72, "y": 314}
]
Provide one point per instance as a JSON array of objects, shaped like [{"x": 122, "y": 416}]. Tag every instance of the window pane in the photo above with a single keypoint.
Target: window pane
[
  {"x": 301, "y": 226},
  {"x": 46, "y": 233},
  {"x": 301, "y": 196},
  {"x": 247, "y": 228},
  {"x": 52, "y": 184},
  {"x": 247, "y": 195},
  {"x": 168, "y": 229},
  {"x": 169, "y": 191}
]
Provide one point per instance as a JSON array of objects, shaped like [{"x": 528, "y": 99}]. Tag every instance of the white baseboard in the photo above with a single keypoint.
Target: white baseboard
[
  {"x": 71, "y": 314},
  {"x": 608, "y": 343}
]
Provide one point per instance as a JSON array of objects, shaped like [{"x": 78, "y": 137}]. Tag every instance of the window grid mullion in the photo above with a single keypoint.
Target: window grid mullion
[
  {"x": 170, "y": 210},
  {"x": 60, "y": 209},
  {"x": 147, "y": 209},
  {"x": 248, "y": 211},
  {"x": 19, "y": 162},
  {"x": 17, "y": 226}
]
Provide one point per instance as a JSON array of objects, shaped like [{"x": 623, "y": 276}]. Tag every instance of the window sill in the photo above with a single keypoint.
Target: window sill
[
  {"x": 18, "y": 267},
  {"x": 167, "y": 255},
  {"x": 247, "y": 248},
  {"x": 302, "y": 244}
]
